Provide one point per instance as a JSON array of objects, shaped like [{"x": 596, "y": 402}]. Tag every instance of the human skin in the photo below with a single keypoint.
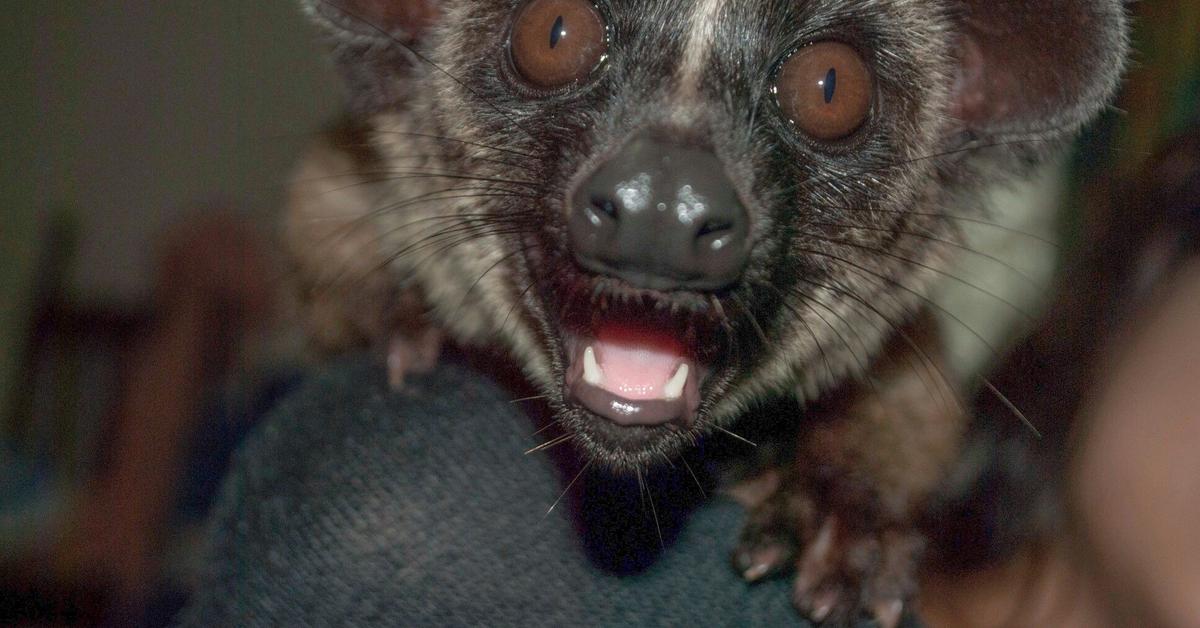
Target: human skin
[
  {"x": 1137, "y": 476},
  {"x": 1130, "y": 555}
]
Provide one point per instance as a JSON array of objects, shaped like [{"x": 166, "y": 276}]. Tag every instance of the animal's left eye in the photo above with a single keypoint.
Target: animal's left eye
[
  {"x": 557, "y": 42},
  {"x": 825, "y": 89}
]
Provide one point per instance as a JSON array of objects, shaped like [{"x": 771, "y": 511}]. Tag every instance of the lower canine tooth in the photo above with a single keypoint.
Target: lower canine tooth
[
  {"x": 674, "y": 387},
  {"x": 591, "y": 368}
]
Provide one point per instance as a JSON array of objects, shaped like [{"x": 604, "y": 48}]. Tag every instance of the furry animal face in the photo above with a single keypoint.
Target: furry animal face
[{"x": 492, "y": 140}]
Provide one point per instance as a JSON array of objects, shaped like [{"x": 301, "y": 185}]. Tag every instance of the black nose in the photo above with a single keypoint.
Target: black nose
[{"x": 661, "y": 216}]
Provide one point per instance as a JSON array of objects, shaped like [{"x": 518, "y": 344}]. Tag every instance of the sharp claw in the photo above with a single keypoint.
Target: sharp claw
[
  {"x": 395, "y": 371},
  {"x": 756, "y": 572},
  {"x": 824, "y": 603},
  {"x": 888, "y": 613},
  {"x": 759, "y": 564}
]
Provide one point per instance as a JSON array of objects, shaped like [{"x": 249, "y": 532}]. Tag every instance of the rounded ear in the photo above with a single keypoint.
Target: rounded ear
[
  {"x": 373, "y": 44},
  {"x": 403, "y": 20},
  {"x": 1037, "y": 67}
]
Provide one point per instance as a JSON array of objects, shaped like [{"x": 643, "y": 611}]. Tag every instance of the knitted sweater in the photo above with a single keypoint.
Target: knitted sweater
[{"x": 354, "y": 505}]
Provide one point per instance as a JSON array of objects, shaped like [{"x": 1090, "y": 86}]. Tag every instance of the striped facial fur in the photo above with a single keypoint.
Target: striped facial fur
[{"x": 668, "y": 211}]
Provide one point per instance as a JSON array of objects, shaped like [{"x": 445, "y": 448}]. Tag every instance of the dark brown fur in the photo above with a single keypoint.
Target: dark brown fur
[{"x": 848, "y": 240}]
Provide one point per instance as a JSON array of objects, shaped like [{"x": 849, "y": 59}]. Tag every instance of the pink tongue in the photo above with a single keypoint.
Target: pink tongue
[{"x": 636, "y": 362}]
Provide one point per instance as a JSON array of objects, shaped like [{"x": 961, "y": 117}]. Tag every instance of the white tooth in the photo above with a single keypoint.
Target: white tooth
[
  {"x": 591, "y": 368},
  {"x": 674, "y": 388}
]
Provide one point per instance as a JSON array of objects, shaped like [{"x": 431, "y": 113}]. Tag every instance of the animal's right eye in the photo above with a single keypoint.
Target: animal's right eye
[{"x": 557, "y": 42}]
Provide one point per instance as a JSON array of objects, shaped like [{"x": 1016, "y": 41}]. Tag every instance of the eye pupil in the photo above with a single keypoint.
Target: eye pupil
[
  {"x": 825, "y": 89},
  {"x": 557, "y": 32},
  {"x": 574, "y": 51}
]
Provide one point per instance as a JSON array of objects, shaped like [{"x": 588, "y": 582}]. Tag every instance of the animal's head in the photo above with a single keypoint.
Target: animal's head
[{"x": 679, "y": 206}]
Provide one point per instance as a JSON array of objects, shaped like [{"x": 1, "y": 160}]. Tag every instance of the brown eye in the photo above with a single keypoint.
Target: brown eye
[
  {"x": 825, "y": 90},
  {"x": 556, "y": 42}
]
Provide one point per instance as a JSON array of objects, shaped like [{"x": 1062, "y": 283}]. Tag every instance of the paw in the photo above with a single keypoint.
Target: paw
[
  {"x": 779, "y": 524},
  {"x": 841, "y": 574},
  {"x": 411, "y": 353}
]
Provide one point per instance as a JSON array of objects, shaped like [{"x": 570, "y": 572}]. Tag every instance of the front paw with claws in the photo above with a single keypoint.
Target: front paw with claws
[{"x": 841, "y": 573}]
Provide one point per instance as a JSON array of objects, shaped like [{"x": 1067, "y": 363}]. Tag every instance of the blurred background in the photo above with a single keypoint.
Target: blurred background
[
  {"x": 143, "y": 150},
  {"x": 144, "y": 146}
]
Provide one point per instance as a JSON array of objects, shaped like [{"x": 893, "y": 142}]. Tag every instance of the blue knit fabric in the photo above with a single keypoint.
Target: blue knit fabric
[{"x": 354, "y": 505}]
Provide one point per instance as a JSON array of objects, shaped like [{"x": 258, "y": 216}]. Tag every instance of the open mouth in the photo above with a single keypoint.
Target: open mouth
[
  {"x": 638, "y": 363},
  {"x": 634, "y": 375}
]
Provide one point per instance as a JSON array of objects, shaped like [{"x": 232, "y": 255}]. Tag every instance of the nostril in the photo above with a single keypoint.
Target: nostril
[
  {"x": 605, "y": 206},
  {"x": 714, "y": 226},
  {"x": 660, "y": 216}
]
